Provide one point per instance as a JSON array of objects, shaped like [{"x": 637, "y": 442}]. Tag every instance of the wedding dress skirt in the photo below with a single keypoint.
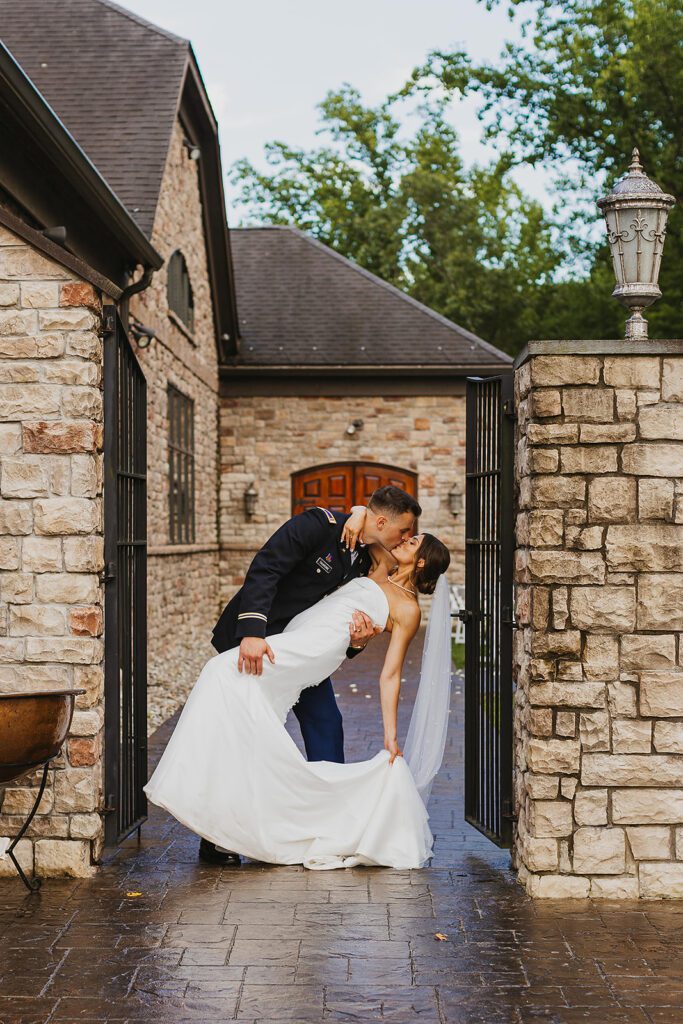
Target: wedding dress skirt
[{"x": 232, "y": 774}]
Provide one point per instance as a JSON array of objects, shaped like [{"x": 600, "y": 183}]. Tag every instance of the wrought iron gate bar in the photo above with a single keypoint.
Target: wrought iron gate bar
[{"x": 488, "y": 648}]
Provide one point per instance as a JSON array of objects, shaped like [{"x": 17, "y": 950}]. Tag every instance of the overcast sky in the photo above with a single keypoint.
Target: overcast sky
[{"x": 267, "y": 63}]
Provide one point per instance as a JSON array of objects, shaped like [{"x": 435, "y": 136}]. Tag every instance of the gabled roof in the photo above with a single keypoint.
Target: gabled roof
[
  {"x": 113, "y": 79},
  {"x": 303, "y": 304}
]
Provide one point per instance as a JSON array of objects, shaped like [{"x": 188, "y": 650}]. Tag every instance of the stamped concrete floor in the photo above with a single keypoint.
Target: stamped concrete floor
[{"x": 156, "y": 936}]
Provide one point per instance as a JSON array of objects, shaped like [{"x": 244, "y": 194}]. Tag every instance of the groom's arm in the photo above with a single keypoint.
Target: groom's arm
[{"x": 294, "y": 541}]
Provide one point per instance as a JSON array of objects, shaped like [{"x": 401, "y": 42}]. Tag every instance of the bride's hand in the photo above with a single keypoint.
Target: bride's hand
[
  {"x": 353, "y": 527},
  {"x": 394, "y": 749}
]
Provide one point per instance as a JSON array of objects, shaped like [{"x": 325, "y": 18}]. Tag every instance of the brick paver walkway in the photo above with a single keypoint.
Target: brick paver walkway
[{"x": 268, "y": 944}]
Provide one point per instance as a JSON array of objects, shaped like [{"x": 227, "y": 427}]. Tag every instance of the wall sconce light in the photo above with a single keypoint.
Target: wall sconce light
[
  {"x": 143, "y": 335},
  {"x": 194, "y": 152},
  {"x": 250, "y": 499},
  {"x": 455, "y": 499},
  {"x": 354, "y": 427}
]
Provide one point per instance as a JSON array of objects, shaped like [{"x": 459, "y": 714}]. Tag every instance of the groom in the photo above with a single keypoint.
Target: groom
[{"x": 301, "y": 563}]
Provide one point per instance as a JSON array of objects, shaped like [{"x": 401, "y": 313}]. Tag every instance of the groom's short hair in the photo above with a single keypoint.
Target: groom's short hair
[{"x": 392, "y": 501}]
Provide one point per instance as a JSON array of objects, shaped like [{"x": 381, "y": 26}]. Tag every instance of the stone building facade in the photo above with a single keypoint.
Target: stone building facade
[
  {"x": 598, "y": 660},
  {"x": 51, "y": 540}
]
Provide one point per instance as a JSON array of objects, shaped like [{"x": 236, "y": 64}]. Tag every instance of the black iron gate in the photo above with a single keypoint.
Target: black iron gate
[
  {"x": 488, "y": 600},
  {"x": 125, "y": 554}
]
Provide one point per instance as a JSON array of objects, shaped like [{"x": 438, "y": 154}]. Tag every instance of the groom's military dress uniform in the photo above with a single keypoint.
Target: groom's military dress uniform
[{"x": 301, "y": 563}]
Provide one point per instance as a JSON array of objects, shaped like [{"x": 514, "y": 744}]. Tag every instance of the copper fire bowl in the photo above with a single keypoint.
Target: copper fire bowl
[{"x": 33, "y": 727}]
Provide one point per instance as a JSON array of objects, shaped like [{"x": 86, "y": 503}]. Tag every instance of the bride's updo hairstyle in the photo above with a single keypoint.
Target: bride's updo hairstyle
[{"x": 436, "y": 558}]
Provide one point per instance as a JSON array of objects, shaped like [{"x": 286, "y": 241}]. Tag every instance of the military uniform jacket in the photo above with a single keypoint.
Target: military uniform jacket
[{"x": 301, "y": 563}]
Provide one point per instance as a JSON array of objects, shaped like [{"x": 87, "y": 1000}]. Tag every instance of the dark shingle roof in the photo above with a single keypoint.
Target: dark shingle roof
[
  {"x": 301, "y": 303},
  {"x": 114, "y": 81}
]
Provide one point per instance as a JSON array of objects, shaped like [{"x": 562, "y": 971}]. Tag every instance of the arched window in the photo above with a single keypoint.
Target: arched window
[{"x": 179, "y": 290}]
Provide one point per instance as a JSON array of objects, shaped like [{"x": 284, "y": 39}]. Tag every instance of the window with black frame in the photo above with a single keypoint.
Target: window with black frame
[
  {"x": 180, "y": 467},
  {"x": 179, "y": 290}
]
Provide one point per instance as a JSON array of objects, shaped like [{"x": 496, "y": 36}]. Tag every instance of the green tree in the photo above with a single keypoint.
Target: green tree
[{"x": 468, "y": 243}]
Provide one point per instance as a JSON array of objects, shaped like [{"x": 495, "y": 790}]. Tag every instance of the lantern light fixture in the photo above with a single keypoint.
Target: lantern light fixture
[
  {"x": 250, "y": 500},
  {"x": 455, "y": 499}
]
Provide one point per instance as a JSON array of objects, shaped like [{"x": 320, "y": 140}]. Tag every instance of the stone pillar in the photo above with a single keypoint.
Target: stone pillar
[{"x": 599, "y": 598}]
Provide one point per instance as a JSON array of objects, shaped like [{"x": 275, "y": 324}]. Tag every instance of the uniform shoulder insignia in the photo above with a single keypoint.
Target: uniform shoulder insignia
[{"x": 328, "y": 515}]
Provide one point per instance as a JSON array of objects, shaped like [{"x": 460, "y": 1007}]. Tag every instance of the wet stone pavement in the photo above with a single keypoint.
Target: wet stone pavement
[{"x": 157, "y": 936}]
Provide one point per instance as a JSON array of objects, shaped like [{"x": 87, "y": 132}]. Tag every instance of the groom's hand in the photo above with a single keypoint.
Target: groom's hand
[
  {"x": 362, "y": 629},
  {"x": 252, "y": 650}
]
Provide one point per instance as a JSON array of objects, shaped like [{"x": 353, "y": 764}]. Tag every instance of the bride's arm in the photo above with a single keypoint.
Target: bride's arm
[{"x": 405, "y": 628}]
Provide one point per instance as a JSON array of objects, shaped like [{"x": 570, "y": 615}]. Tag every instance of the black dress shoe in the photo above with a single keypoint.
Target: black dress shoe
[{"x": 209, "y": 853}]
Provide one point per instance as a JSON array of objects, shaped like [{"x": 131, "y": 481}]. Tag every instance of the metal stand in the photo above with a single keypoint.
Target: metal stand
[{"x": 32, "y": 884}]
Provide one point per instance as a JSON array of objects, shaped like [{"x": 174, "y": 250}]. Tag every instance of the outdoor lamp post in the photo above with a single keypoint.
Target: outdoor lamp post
[
  {"x": 250, "y": 500},
  {"x": 635, "y": 212}
]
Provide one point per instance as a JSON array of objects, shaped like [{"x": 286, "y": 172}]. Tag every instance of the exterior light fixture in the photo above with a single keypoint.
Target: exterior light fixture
[
  {"x": 250, "y": 500},
  {"x": 194, "y": 152},
  {"x": 354, "y": 427},
  {"x": 455, "y": 499},
  {"x": 143, "y": 335},
  {"x": 636, "y": 211}
]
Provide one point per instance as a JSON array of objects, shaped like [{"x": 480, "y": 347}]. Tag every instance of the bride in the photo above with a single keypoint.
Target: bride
[{"x": 233, "y": 775}]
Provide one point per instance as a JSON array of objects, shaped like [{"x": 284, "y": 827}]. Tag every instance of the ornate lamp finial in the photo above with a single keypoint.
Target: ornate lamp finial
[{"x": 635, "y": 167}]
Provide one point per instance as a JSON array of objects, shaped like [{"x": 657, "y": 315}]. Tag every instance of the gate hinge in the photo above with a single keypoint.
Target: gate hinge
[
  {"x": 110, "y": 806},
  {"x": 108, "y": 573},
  {"x": 464, "y": 614},
  {"x": 508, "y": 618},
  {"x": 509, "y": 409},
  {"x": 109, "y": 321},
  {"x": 506, "y": 810}
]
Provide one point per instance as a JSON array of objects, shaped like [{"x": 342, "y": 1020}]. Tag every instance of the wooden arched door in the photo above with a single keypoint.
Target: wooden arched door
[{"x": 339, "y": 485}]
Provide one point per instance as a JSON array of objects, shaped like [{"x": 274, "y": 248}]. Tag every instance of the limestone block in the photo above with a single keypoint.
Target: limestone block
[
  {"x": 61, "y": 437},
  {"x": 557, "y": 491},
  {"x": 565, "y": 694},
  {"x": 550, "y": 818},
  {"x": 541, "y": 787},
  {"x": 591, "y": 459},
  {"x": 20, "y": 400},
  {"x": 91, "y": 679},
  {"x": 69, "y": 371},
  {"x": 587, "y": 538},
  {"x": 599, "y": 851},
  {"x": 650, "y": 842},
  {"x": 622, "y": 887},
  {"x": 57, "y": 858},
  {"x": 33, "y": 677},
  {"x": 678, "y": 843},
  {"x": 603, "y": 608},
  {"x": 15, "y": 517},
  {"x": 85, "y": 826},
  {"x": 661, "y": 693},
  {"x": 594, "y": 730},
  {"x": 561, "y": 642},
  {"x": 66, "y": 516},
  {"x": 41, "y": 554},
  {"x": 68, "y": 588},
  {"x": 79, "y": 293},
  {"x": 565, "y": 724},
  {"x": 83, "y": 554},
  {"x": 76, "y": 790},
  {"x": 660, "y": 601},
  {"x": 86, "y": 723},
  {"x": 590, "y": 807},
  {"x": 85, "y": 344},
  {"x": 588, "y": 405},
  {"x": 540, "y": 854},
  {"x": 39, "y": 294},
  {"x": 672, "y": 380},
  {"x": 552, "y": 433},
  {"x": 560, "y": 605},
  {"x": 10, "y": 438},
  {"x": 632, "y": 371},
  {"x": 23, "y": 851},
  {"x": 554, "y": 371},
  {"x": 543, "y": 460},
  {"x": 655, "y": 499},
  {"x": 568, "y": 786},
  {"x": 653, "y": 459},
  {"x": 67, "y": 320},
  {"x": 24, "y": 478},
  {"x": 668, "y": 737},
  {"x": 569, "y": 671},
  {"x": 544, "y": 402},
  {"x": 622, "y": 700},
  {"x": 36, "y": 620},
  {"x": 41, "y": 346},
  {"x": 9, "y": 553},
  {"x": 661, "y": 881},
  {"x": 607, "y": 433},
  {"x": 85, "y": 481},
  {"x": 16, "y": 587},
  {"x": 626, "y": 405},
  {"x": 85, "y": 403},
  {"x": 17, "y": 321},
  {"x": 558, "y": 887},
  {"x": 645, "y": 651},
  {"x": 631, "y": 736},
  {"x": 22, "y": 262},
  {"x": 630, "y": 769},
  {"x": 9, "y": 294},
  {"x": 601, "y": 657},
  {"x": 661, "y": 422},
  {"x": 539, "y": 721},
  {"x": 85, "y": 621},
  {"x": 18, "y": 373},
  {"x": 647, "y": 397},
  {"x": 541, "y": 669},
  {"x": 645, "y": 547},
  {"x": 547, "y": 756},
  {"x": 74, "y": 650},
  {"x": 20, "y": 800},
  {"x": 545, "y": 528},
  {"x": 566, "y": 566},
  {"x": 84, "y": 750},
  {"x": 612, "y": 499}
]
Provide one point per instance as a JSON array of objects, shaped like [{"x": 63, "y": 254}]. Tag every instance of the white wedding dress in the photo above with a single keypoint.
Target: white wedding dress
[{"x": 232, "y": 774}]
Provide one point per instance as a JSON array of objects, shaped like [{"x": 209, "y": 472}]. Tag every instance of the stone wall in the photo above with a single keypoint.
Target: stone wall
[
  {"x": 598, "y": 660},
  {"x": 183, "y": 579},
  {"x": 51, "y": 541},
  {"x": 267, "y": 438}
]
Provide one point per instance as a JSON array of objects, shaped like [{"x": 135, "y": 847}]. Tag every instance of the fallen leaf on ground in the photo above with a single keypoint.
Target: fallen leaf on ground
[
  {"x": 441, "y": 937},
  {"x": 133, "y": 894}
]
